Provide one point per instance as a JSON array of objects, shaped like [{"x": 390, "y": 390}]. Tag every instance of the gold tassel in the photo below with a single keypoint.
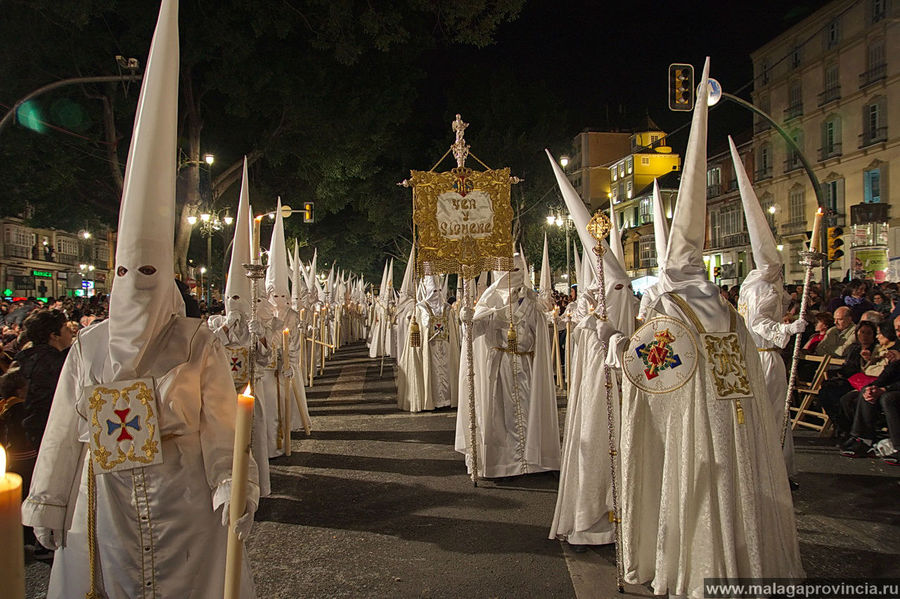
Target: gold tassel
[
  {"x": 415, "y": 337},
  {"x": 512, "y": 343},
  {"x": 740, "y": 411}
]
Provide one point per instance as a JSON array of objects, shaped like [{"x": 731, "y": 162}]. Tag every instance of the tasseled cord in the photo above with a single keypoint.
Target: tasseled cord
[{"x": 415, "y": 336}]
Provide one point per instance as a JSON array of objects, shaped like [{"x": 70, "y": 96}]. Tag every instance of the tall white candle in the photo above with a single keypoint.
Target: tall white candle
[
  {"x": 239, "y": 472},
  {"x": 12, "y": 551}
]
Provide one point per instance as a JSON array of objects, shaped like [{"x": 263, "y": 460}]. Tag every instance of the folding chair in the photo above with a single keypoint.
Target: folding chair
[{"x": 808, "y": 392}]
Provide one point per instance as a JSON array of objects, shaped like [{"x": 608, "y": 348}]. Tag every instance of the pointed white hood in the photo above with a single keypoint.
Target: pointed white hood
[
  {"x": 408, "y": 286},
  {"x": 660, "y": 226},
  {"x": 277, "y": 273},
  {"x": 384, "y": 277},
  {"x": 684, "y": 267},
  {"x": 298, "y": 284},
  {"x": 615, "y": 237},
  {"x": 576, "y": 207},
  {"x": 237, "y": 288},
  {"x": 578, "y": 272},
  {"x": 311, "y": 273},
  {"x": 765, "y": 253},
  {"x": 546, "y": 286},
  {"x": 144, "y": 296}
]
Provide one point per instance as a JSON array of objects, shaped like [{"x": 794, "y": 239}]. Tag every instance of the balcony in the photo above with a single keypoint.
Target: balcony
[
  {"x": 832, "y": 151},
  {"x": 792, "y": 164},
  {"x": 763, "y": 173},
  {"x": 863, "y": 214},
  {"x": 873, "y": 75},
  {"x": 731, "y": 186},
  {"x": 729, "y": 241},
  {"x": 793, "y": 111},
  {"x": 829, "y": 95},
  {"x": 873, "y": 136},
  {"x": 11, "y": 250},
  {"x": 794, "y": 227},
  {"x": 713, "y": 190}
]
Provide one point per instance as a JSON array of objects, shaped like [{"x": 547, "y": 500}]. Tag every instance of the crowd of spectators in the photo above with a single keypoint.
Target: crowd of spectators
[{"x": 857, "y": 323}]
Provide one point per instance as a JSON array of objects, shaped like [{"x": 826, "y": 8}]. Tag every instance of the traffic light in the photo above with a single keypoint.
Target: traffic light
[
  {"x": 717, "y": 272},
  {"x": 835, "y": 243},
  {"x": 308, "y": 212},
  {"x": 681, "y": 87}
]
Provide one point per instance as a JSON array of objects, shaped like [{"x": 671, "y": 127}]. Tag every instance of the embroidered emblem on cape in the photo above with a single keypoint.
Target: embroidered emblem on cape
[
  {"x": 239, "y": 359},
  {"x": 661, "y": 355},
  {"x": 726, "y": 365},
  {"x": 658, "y": 355},
  {"x": 743, "y": 309},
  {"x": 439, "y": 331},
  {"x": 124, "y": 425}
]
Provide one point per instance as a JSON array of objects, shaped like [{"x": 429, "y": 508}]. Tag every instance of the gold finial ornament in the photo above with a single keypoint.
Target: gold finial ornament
[
  {"x": 599, "y": 227},
  {"x": 512, "y": 343},
  {"x": 459, "y": 147}
]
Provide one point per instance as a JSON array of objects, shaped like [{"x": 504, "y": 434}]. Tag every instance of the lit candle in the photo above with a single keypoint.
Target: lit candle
[
  {"x": 239, "y": 469},
  {"x": 816, "y": 242},
  {"x": 257, "y": 223},
  {"x": 12, "y": 552},
  {"x": 286, "y": 361}
]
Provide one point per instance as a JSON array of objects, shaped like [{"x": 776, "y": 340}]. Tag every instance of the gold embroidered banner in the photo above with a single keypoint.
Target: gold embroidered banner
[{"x": 464, "y": 221}]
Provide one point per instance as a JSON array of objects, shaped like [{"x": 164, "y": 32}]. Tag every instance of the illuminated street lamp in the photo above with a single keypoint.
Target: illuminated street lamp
[
  {"x": 559, "y": 221},
  {"x": 209, "y": 159},
  {"x": 564, "y": 161}
]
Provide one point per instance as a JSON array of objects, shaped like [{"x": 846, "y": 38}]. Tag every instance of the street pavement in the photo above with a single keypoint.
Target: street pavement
[{"x": 376, "y": 503}]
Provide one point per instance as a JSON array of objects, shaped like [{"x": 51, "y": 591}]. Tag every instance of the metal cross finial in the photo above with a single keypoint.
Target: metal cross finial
[
  {"x": 459, "y": 147},
  {"x": 599, "y": 228}
]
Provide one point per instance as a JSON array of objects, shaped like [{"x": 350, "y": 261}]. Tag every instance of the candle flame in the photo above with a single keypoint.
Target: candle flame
[
  {"x": 820, "y": 211},
  {"x": 2, "y": 461},
  {"x": 259, "y": 218},
  {"x": 248, "y": 391},
  {"x": 287, "y": 331}
]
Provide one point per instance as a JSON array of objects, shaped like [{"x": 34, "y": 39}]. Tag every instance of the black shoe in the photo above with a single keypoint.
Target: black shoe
[
  {"x": 794, "y": 484},
  {"x": 578, "y": 548},
  {"x": 42, "y": 554},
  {"x": 893, "y": 459},
  {"x": 847, "y": 442},
  {"x": 857, "y": 449}
]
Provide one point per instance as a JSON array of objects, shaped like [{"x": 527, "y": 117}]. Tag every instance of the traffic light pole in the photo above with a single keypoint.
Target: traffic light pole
[{"x": 817, "y": 187}]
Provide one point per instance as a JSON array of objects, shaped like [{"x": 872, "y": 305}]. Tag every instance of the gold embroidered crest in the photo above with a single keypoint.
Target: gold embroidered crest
[
  {"x": 726, "y": 365},
  {"x": 124, "y": 425}
]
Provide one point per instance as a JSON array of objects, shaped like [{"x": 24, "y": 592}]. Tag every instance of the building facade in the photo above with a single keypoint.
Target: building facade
[
  {"x": 44, "y": 263},
  {"x": 727, "y": 251},
  {"x": 833, "y": 82},
  {"x": 588, "y": 168}
]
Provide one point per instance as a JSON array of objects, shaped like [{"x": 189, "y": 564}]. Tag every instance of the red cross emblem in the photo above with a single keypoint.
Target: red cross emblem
[{"x": 124, "y": 435}]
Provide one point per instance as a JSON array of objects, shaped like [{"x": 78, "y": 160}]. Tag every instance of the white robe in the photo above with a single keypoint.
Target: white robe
[
  {"x": 703, "y": 496},
  {"x": 238, "y": 336},
  {"x": 157, "y": 532},
  {"x": 510, "y": 441},
  {"x": 380, "y": 342},
  {"x": 762, "y": 307},
  {"x": 585, "y": 496},
  {"x": 429, "y": 374}
]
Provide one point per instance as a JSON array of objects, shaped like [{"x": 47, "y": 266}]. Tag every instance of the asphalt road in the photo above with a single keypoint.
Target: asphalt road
[{"x": 375, "y": 503}]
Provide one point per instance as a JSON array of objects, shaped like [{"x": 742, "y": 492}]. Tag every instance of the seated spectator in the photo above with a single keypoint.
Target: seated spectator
[
  {"x": 873, "y": 316},
  {"x": 880, "y": 300},
  {"x": 839, "y": 337},
  {"x": 881, "y": 397},
  {"x": 824, "y": 322},
  {"x": 838, "y": 383},
  {"x": 854, "y": 297}
]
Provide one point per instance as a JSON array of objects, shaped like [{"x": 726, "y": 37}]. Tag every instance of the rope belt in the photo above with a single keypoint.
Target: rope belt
[{"x": 762, "y": 349}]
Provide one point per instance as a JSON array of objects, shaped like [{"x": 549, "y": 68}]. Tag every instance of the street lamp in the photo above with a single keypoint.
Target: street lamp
[
  {"x": 564, "y": 161},
  {"x": 559, "y": 221},
  {"x": 210, "y": 224},
  {"x": 209, "y": 159}
]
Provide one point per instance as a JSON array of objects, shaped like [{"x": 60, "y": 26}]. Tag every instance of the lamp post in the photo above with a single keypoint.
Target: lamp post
[
  {"x": 210, "y": 223},
  {"x": 559, "y": 221}
]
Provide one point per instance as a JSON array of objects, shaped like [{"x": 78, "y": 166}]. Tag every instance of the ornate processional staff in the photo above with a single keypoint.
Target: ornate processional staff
[
  {"x": 599, "y": 227},
  {"x": 810, "y": 259}
]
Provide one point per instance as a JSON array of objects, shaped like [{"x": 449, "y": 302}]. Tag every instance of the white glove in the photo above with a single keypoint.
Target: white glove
[
  {"x": 287, "y": 372},
  {"x": 798, "y": 326},
  {"x": 231, "y": 319},
  {"x": 244, "y": 524},
  {"x": 466, "y": 314},
  {"x": 50, "y": 538},
  {"x": 256, "y": 328},
  {"x": 605, "y": 330}
]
